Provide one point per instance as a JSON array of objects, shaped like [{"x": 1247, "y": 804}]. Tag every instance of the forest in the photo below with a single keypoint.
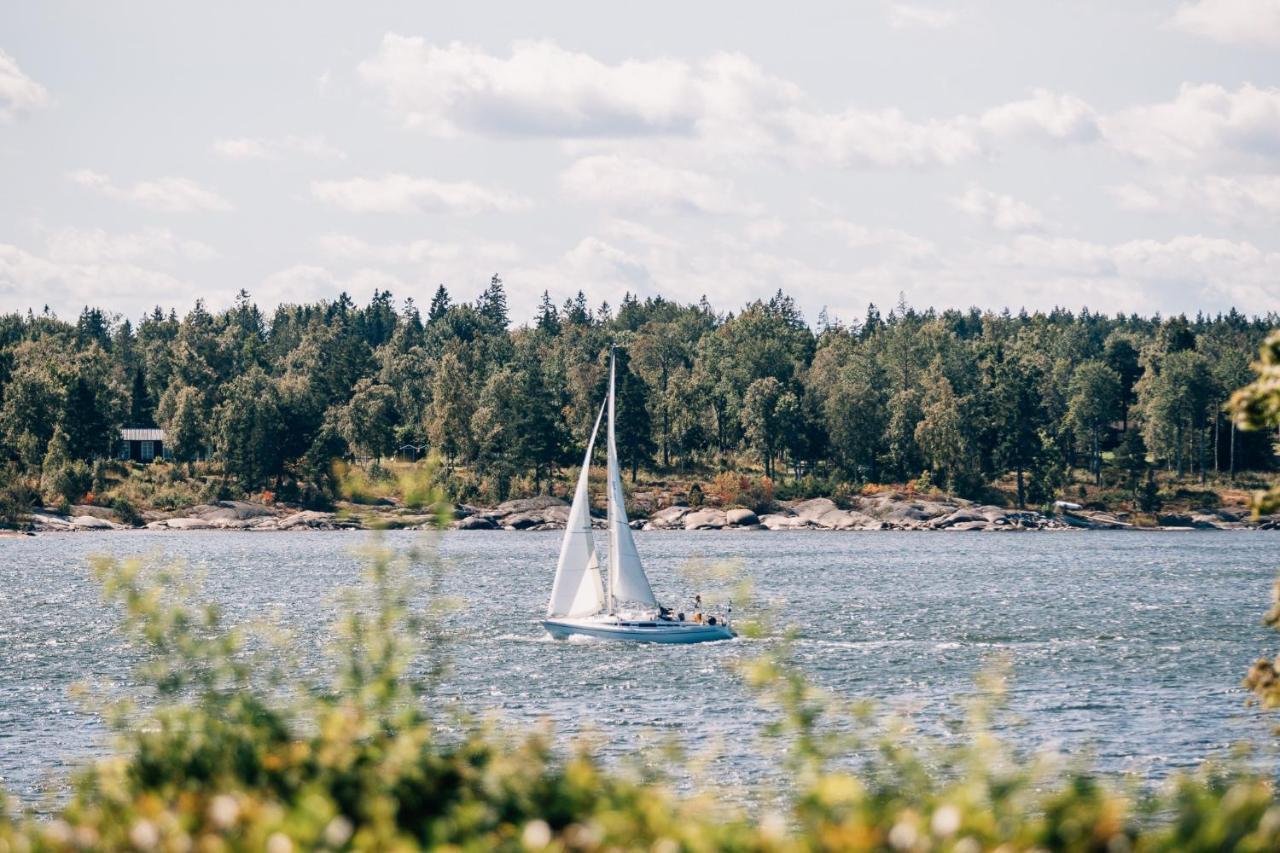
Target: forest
[{"x": 268, "y": 399}]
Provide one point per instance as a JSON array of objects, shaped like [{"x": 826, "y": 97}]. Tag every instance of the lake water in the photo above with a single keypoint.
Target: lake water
[{"x": 1130, "y": 646}]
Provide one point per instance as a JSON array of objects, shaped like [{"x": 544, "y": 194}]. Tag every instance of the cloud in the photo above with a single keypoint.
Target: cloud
[
  {"x": 890, "y": 241},
  {"x": 863, "y": 138},
  {"x": 18, "y": 92},
  {"x": 1002, "y": 212},
  {"x": 723, "y": 103},
  {"x": 91, "y": 266},
  {"x": 1046, "y": 116},
  {"x": 1205, "y": 123},
  {"x": 903, "y": 16},
  {"x": 261, "y": 148},
  {"x": 96, "y": 246},
  {"x": 1232, "y": 21},
  {"x": 1228, "y": 198},
  {"x": 399, "y": 193},
  {"x": 29, "y": 280},
  {"x": 170, "y": 195},
  {"x": 636, "y": 183},
  {"x": 762, "y": 230},
  {"x": 301, "y": 283},
  {"x": 346, "y": 247},
  {"x": 542, "y": 90}
]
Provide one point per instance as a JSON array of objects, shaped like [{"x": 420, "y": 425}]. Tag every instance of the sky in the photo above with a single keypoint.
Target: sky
[{"x": 1119, "y": 156}]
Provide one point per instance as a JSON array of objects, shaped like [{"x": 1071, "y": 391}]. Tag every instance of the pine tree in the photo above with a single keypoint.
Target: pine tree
[
  {"x": 492, "y": 304},
  {"x": 440, "y": 304}
]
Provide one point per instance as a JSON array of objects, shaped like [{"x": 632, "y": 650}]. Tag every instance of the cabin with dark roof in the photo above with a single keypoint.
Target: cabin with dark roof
[{"x": 142, "y": 444}]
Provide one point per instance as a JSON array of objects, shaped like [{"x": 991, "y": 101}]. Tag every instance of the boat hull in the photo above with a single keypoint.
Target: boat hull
[{"x": 628, "y": 631}]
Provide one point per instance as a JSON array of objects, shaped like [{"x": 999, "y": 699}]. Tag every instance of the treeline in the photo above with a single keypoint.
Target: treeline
[{"x": 959, "y": 398}]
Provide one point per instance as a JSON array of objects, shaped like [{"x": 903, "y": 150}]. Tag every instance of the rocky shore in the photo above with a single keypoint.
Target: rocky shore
[{"x": 884, "y": 511}]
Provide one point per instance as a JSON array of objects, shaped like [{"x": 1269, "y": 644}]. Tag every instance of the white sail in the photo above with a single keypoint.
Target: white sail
[
  {"x": 627, "y": 581},
  {"x": 578, "y": 589}
]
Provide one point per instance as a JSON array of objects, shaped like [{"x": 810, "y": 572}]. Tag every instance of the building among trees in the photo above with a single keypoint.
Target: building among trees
[{"x": 142, "y": 445}]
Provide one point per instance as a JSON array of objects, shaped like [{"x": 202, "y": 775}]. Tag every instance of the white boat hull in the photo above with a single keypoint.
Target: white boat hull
[{"x": 637, "y": 630}]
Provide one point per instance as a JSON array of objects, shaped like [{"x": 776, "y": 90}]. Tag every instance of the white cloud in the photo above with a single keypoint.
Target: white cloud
[
  {"x": 1045, "y": 115},
  {"x": 903, "y": 16},
  {"x": 1232, "y": 21},
  {"x": 637, "y": 183},
  {"x": 763, "y": 230},
  {"x": 888, "y": 240},
  {"x": 862, "y": 138},
  {"x": 303, "y": 283},
  {"x": 261, "y": 148},
  {"x": 347, "y": 247},
  {"x": 1236, "y": 200},
  {"x": 1201, "y": 270},
  {"x": 150, "y": 245},
  {"x": 1205, "y": 123},
  {"x": 28, "y": 280},
  {"x": 544, "y": 90},
  {"x": 399, "y": 193},
  {"x": 170, "y": 195},
  {"x": 724, "y": 103},
  {"x": 628, "y": 230},
  {"x": 1002, "y": 212},
  {"x": 18, "y": 92}
]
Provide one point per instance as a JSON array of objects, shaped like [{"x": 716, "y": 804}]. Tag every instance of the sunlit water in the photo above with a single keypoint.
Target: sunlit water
[{"x": 1128, "y": 646}]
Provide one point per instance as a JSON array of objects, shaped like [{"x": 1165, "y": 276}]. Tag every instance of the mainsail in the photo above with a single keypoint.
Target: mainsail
[
  {"x": 627, "y": 581},
  {"x": 578, "y": 590}
]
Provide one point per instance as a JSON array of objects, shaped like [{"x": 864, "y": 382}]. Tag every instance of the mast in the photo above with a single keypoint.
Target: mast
[{"x": 609, "y": 470}]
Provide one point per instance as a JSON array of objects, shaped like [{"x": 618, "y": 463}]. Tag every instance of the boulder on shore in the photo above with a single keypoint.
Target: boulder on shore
[
  {"x": 670, "y": 518},
  {"x": 740, "y": 517},
  {"x": 705, "y": 519},
  {"x": 92, "y": 522},
  {"x": 308, "y": 519},
  {"x": 475, "y": 522}
]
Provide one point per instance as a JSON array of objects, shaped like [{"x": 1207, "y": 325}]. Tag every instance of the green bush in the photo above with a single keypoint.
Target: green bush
[
  {"x": 17, "y": 496},
  {"x": 128, "y": 514},
  {"x": 70, "y": 480}
]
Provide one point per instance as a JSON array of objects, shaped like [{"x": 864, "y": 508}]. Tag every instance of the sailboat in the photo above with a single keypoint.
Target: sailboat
[{"x": 629, "y": 612}]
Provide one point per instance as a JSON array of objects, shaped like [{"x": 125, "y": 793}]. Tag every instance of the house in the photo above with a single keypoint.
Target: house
[{"x": 142, "y": 444}]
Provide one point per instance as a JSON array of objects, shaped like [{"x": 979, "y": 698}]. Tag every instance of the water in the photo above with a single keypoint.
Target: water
[{"x": 1130, "y": 646}]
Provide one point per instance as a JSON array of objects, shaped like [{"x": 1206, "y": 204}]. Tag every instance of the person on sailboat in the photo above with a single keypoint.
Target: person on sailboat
[{"x": 697, "y": 608}]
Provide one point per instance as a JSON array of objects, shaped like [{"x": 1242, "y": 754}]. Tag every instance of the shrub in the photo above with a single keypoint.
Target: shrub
[
  {"x": 128, "y": 514},
  {"x": 695, "y": 497},
  {"x": 69, "y": 480},
  {"x": 17, "y": 496},
  {"x": 729, "y": 489}
]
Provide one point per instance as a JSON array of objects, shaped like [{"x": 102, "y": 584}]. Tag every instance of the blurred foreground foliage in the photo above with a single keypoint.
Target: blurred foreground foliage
[
  {"x": 1257, "y": 406},
  {"x": 235, "y": 752}
]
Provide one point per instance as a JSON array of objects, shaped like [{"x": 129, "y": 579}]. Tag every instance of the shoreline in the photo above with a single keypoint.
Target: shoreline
[{"x": 891, "y": 511}]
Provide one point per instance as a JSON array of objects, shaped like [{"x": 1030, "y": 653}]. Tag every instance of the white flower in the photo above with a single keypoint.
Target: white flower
[
  {"x": 223, "y": 811},
  {"x": 144, "y": 835},
  {"x": 536, "y": 834},
  {"x": 902, "y": 836},
  {"x": 946, "y": 821},
  {"x": 279, "y": 843}
]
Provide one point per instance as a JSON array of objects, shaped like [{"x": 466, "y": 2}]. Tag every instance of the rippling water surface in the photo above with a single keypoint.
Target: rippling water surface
[{"x": 1129, "y": 645}]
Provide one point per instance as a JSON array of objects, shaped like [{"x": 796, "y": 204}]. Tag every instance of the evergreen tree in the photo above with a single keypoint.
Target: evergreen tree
[
  {"x": 249, "y": 429},
  {"x": 492, "y": 304},
  {"x": 440, "y": 304}
]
